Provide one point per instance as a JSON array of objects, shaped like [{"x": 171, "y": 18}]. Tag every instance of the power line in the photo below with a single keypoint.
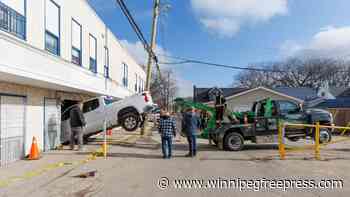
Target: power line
[
  {"x": 138, "y": 31},
  {"x": 194, "y": 61}
]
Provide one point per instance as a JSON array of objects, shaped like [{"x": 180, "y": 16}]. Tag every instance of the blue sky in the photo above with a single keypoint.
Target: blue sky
[{"x": 234, "y": 32}]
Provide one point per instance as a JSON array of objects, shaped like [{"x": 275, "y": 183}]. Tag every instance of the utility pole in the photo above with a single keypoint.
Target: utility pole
[{"x": 156, "y": 11}]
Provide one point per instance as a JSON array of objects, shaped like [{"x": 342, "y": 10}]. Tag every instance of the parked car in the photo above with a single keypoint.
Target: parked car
[{"x": 128, "y": 113}]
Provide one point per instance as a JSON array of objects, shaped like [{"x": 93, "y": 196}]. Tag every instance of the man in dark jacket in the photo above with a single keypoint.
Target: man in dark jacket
[
  {"x": 191, "y": 125},
  {"x": 167, "y": 129},
  {"x": 77, "y": 123}
]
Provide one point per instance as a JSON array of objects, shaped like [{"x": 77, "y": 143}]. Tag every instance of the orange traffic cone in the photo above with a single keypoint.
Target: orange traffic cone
[{"x": 34, "y": 151}]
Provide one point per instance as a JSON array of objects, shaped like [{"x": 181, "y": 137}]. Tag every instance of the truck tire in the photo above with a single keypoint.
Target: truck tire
[
  {"x": 325, "y": 136},
  {"x": 233, "y": 141},
  {"x": 294, "y": 139},
  {"x": 130, "y": 122}
]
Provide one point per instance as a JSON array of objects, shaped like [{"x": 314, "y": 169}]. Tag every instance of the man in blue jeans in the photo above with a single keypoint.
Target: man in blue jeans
[
  {"x": 191, "y": 125},
  {"x": 167, "y": 129}
]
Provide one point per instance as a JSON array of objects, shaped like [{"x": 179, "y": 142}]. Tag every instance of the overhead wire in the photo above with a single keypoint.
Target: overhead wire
[
  {"x": 138, "y": 32},
  {"x": 183, "y": 60}
]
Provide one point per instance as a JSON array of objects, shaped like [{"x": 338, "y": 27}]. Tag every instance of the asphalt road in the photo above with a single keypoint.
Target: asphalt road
[{"x": 135, "y": 170}]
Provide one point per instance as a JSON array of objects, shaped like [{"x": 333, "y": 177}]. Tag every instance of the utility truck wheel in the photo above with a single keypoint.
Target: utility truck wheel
[
  {"x": 325, "y": 136},
  {"x": 233, "y": 142},
  {"x": 294, "y": 139},
  {"x": 130, "y": 122}
]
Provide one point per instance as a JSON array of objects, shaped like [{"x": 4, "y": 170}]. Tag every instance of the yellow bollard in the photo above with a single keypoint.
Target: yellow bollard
[
  {"x": 281, "y": 146},
  {"x": 317, "y": 141},
  {"x": 104, "y": 148}
]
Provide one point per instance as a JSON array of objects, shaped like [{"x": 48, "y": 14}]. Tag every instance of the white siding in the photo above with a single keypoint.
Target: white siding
[{"x": 80, "y": 11}]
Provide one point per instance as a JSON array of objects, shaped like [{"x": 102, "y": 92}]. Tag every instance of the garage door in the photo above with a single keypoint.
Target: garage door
[
  {"x": 52, "y": 124},
  {"x": 12, "y": 117}
]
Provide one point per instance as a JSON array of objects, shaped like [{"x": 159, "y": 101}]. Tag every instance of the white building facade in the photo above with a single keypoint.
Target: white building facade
[{"x": 53, "y": 54}]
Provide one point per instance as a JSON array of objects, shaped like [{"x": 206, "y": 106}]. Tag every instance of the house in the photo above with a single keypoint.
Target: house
[
  {"x": 53, "y": 54},
  {"x": 242, "y": 99}
]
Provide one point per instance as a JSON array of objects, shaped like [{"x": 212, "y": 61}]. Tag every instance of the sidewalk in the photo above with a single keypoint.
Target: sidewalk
[{"x": 59, "y": 161}]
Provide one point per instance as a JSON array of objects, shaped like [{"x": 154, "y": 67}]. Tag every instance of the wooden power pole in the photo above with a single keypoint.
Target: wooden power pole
[{"x": 156, "y": 11}]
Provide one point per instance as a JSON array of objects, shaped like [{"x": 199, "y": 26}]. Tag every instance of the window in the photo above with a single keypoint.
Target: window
[
  {"x": 76, "y": 42},
  {"x": 93, "y": 54},
  {"x": 109, "y": 101},
  {"x": 52, "y": 23},
  {"x": 17, "y": 5},
  {"x": 288, "y": 107},
  {"x": 90, "y": 106},
  {"x": 76, "y": 56},
  {"x": 52, "y": 43},
  {"x": 136, "y": 84},
  {"x": 125, "y": 75},
  {"x": 12, "y": 17},
  {"x": 106, "y": 67},
  {"x": 140, "y": 85}
]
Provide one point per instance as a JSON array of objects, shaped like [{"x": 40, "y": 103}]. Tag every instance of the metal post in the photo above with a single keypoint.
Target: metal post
[
  {"x": 156, "y": 11},
  {"x": 317, "y": 141},
  {"x": 281, "y": 146},
  {"x": 104, "y": 146}
]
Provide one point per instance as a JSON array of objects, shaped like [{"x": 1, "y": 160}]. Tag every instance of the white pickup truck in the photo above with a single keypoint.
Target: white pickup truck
[{"x": 127, "y": 113}]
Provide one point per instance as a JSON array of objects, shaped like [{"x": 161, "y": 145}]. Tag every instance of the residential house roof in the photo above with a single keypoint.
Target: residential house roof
[
  {"x": 202, "y": 94},
  {"x": 302, "y": 93},
  {"x": 335, "y": 103},
  {"x": 345, "y": 93},
  {"x": 337, "y": 91}
]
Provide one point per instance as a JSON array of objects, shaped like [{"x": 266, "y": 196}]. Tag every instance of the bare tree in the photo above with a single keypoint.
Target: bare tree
[
  {"x": 298, "y": 73},
  {"x": 163, "y": 89}
]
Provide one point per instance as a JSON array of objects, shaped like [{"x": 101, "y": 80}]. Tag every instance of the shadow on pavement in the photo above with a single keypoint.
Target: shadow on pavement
[{"x": 135, "y": 155}]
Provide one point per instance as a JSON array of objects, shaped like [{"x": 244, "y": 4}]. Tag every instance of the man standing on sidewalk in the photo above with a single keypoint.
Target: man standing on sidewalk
[
  {"x": 167, "y": 129},
  {"x": 191, "y": 125},
  {"x": 77, "y": 124}
]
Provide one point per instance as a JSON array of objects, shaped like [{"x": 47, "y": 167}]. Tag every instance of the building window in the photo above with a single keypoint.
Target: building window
[
  {"x": 76, "y": 42},
  {"x": 76, "y": 56},
  {"x": 106, "y": 67},
  {"x": 141, "y": 85},
  {"x": 93, "y": 54},
  {"x": 136, "y": 84},
  {"x": 52, "y": 43},
  {"x": 52, "y": 23},
  {"x": 12, "y": 17},
  {"x": 125, "y": 75}
]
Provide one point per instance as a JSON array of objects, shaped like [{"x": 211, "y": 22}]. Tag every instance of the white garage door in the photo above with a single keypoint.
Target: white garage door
[{"x": 12, "y": 117}]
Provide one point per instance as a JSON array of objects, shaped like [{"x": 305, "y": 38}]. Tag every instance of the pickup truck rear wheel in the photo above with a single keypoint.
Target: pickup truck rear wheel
[
  {"x": 130, "y": 121},
  {"x": 233, "y": 142}
]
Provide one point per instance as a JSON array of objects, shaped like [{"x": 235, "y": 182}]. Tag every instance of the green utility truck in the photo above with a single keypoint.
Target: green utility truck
[{"x": 260, "y": 125}]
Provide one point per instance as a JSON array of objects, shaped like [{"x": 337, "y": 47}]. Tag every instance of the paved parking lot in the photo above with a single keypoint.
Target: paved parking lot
[{"x": 134, "y": 167}]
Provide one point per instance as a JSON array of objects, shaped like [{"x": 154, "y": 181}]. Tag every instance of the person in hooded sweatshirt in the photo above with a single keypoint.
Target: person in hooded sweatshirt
[
  {"x": 167, "y": 130},
  {"x": 191, "y": 125}
]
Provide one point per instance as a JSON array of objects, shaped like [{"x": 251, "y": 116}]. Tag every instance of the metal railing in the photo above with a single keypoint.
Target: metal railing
[
  {"x": 316, "y": 146},
  {"x": 12, "y": 22}
]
